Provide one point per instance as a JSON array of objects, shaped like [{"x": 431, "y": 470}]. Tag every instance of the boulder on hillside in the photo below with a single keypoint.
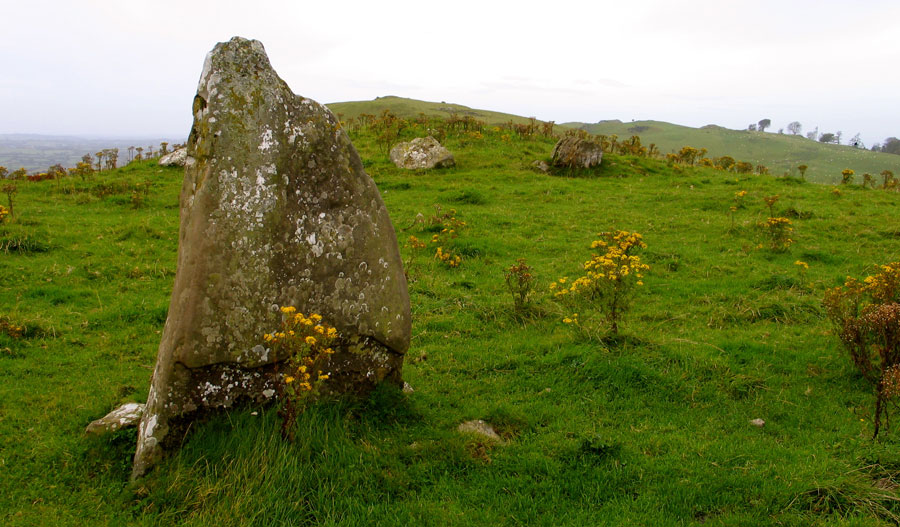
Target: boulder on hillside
[
  {"x": 421, "y": 152},
  {"x": 576, "y": 152},
  {"x": 174, "y": 159},
  {"x": 276, "y": 211}
]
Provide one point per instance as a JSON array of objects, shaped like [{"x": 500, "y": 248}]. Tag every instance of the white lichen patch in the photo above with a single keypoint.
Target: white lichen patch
[{"x": 266, "y": 141}]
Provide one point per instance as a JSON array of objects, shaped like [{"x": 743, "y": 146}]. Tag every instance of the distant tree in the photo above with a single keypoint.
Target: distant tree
[
  {"x": 802, "y": 169},
  {"x": 876, "y": 147},
  {"x": 781, "y": 131},
  {"x": 763, "y": 124},
  {"x": 891, "y": 145},
  {"x": 3, "y": 172},
  {"x": 164, "y": 147},
  {"x": 86, "y": 158},
  {"x": 18, "y": 173},
  {"x": 856, "y": 142},
  {"x": 139, "y": 155},
  {"x": 100, "y": 161},
  {"x": 130, "y": 154},
  {"x": 813, "y": 134},
  {"x": 887, "y": 178},
  {"x": 795, "y": 127},
  {"x": 837, "y": 137},
  {"x": 752, "y": 128},
  {"x": 827, "y": 137}
]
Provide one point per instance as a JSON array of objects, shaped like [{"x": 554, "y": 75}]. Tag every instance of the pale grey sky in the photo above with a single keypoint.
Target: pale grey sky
[{"x": 131, "y": 67}]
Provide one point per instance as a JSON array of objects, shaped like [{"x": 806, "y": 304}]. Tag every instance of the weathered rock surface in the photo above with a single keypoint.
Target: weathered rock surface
[
  {"x": 541, "y": 166},
  {"x": 276, "y": 210},
  {"x": 479, "y": 428},
  {"x": 575, "y": 152},
  {"x": 421, "y": 153},
  {"x": 174, "y": 159},
  {"x": 127, "y": 415}
]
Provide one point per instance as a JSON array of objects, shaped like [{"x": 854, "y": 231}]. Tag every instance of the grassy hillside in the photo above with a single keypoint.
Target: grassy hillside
[
  {"x": 780, "y": 152},
  {"x": 403, "y": 107},
  {"x": 651, "y": 428}
]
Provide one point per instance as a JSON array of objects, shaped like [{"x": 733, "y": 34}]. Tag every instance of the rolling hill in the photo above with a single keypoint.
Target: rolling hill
[{"x": 780, "y": 152}]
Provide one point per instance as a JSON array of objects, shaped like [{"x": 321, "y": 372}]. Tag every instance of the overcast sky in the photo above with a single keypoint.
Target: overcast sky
[{"x": 130, "y": 68}]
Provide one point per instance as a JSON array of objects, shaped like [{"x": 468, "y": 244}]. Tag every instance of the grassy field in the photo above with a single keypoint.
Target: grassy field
[
  {"x": 780, "y": 152},
  {"x": 651, "y": 428}
]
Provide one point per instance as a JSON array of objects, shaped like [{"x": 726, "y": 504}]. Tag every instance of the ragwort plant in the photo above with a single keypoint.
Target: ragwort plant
[
  {"x": 520, "y": 282},
  {"x": 866, "y": 318},
  {"x": 449, "y": 229},
  {"x": 778, "y": 231},
  {"x": 306, "y": 343},
  {"x": 610, "y": 279}
]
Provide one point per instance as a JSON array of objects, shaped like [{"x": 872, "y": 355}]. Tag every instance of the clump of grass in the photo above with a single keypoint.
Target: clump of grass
[{"x": 23, "y": 244}]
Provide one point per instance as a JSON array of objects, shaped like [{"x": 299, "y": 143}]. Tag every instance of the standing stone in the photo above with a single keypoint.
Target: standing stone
[
  {"x": 421, "y": 153},
  {"x": 276, "y": 211},
  {"x": 575, "y": 152}
]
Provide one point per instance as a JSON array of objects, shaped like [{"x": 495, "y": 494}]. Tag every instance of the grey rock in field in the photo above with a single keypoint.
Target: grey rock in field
[
  {"x": 421, "y": 153},
  {"x": 575, "y": 152},
  {"x": 276, "y": 210},
  {"x": 541, "y": 166},
  {"x": 174, "y": 159},
  {"x": 125, "y": 416},
  {"x": 758, "y": 423},
  {"x": 480, "y": 428}
]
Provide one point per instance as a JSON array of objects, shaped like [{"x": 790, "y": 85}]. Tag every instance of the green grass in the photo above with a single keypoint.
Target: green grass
[
  {"x": 648, "y": 429},
  {"x": 780, "y": 152}
]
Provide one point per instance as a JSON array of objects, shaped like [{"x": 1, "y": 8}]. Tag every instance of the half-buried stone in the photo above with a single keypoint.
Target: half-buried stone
[{"x": 276, "y": 211}]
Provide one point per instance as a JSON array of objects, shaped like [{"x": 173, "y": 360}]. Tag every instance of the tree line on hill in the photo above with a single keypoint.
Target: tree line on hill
[{"x": 891, "y": 145}]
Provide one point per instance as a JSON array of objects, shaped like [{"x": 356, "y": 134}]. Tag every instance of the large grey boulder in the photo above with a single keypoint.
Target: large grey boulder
[
  {"x": 421, "y": 153},
  {"x": 576, "y": 152},
  {"x": 174, "y": 159},
  {"x": 276, "y": 211}
]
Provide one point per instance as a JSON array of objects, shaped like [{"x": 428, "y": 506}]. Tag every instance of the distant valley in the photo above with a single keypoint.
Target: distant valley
[{"x": 36, "y": 152}]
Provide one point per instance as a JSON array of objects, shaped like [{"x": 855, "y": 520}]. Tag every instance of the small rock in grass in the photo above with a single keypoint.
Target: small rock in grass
[
  {"x": 758, "y": 422},
  {"x": 407, "y": 388},
  {"x": 479, "y": 427},
  {"x": 125, "y": 416}
]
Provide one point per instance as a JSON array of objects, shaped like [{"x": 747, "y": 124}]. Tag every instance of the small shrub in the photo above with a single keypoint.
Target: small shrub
[
  {"x": 866, "y": 318},
  {"x": 847, "y": 176},
  {"x": 520, "y": 283},
  {"x": 610, "y": 279},
  {"x": 306, "y": 342},
  {"x": 778, "y": 231}
]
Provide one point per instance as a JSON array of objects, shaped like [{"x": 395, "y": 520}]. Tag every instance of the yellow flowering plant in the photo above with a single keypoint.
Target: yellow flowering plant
[
  {"x": 779, "y": 232},
  {"x": 450, "y": 227},
  {"x": 865, "y": 315},
  {"x": 307, "y": 343},
  {"x": 610, "y": 278}
]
